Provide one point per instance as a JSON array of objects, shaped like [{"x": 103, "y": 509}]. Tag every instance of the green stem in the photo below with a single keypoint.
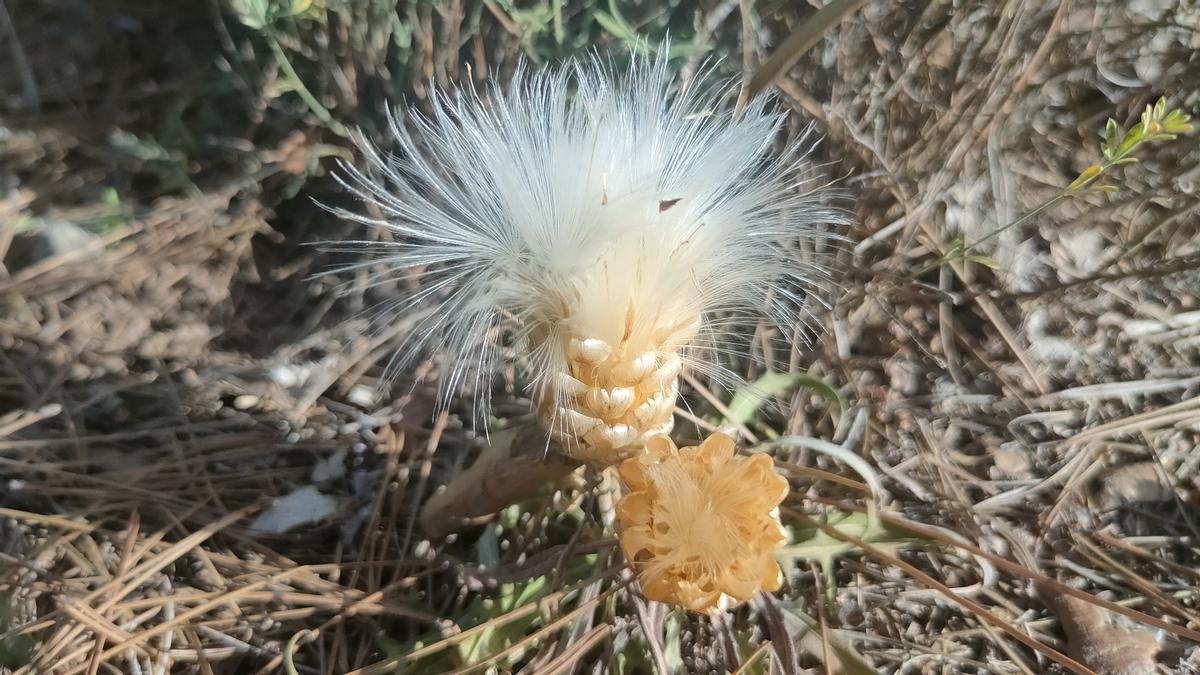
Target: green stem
[
  {"x": 968, "y": 249},
  {"x": 558, "y": 21},
  {"x": 298, "y": 86},
  {"x": 1045, "y": 206}
]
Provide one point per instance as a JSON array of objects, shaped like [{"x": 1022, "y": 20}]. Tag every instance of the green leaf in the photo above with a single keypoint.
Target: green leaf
[
  {"x": 636, "y": 658},
  {"x": 252, "y": 13},
  {"x": 491, "y": 640},
  {"x": 259, "y": 14},
  {"x": 747, "y": 641},
  {"x": 613, "y": 22},
  {"x": 748, "y": 399},
  {"x": 815, "y": 545},
  {"x": 692, "y": 49},
  {"x": 672, "y": 650},
  {"x": 1177, "y": 123},
  {"x": 16, "y": 650},
  {"x": 1083, "y": 178},
  {"x": 1131, "y": 140},
  {"x": 488, "y": 547},
  {"x": 985, "y": 260},
  {"x": 510, "y": 517},
  {"x": 615, "y": 27},
  {"x": 533, "y": 21},
  {"x": 402, "y": 34},
  {"x": 807, "y": 635},
  {"x": 527, "y": 593},
  {"x": 557, "y": 7},
  {"x": 1112, "y": 137}
]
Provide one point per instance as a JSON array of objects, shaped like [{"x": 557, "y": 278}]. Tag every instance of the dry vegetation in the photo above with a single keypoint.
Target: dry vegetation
[{"x": 167, "y": 368}]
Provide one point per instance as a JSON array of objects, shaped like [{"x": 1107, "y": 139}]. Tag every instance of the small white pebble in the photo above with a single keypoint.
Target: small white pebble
[
  {"x": 245, "y": 401},
  {"x": 362, "y": 396},
  {"x": 288, "y": 376}
]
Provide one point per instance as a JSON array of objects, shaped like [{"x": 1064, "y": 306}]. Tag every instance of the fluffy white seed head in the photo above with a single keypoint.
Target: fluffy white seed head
[{"x": 582, "y": 208}]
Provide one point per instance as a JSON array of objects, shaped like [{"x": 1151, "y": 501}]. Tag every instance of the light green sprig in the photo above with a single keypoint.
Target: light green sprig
[{"x": 1118, "y": 147}]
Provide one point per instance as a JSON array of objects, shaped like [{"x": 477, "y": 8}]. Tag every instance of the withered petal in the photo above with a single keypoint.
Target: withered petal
[
  {"x": 732, "y": 561},
  {"x": 660, "y": 446},
  {"x": 716, "y": 448},
  {"x": 635, "y": 508},
  {"x": 633, "y": 474}
]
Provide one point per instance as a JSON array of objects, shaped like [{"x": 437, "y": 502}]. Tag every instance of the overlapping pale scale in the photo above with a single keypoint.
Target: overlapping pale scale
[{"x": 612, "y": 397}]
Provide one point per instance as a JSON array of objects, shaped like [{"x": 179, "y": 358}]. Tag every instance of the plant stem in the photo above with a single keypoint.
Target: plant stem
[
  {"x": 1045, "y": 206},
  {"x": 800, "y": 41},
  {"x": 509, "y": 470},
  {"x": 311, "y": 101}
]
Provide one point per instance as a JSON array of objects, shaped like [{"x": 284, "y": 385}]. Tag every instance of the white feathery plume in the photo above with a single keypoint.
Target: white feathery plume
[{"x": 607, "y": 226}]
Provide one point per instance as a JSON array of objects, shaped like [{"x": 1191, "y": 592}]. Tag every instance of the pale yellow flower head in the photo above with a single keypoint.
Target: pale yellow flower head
[{"x": 699, "y": 524}]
